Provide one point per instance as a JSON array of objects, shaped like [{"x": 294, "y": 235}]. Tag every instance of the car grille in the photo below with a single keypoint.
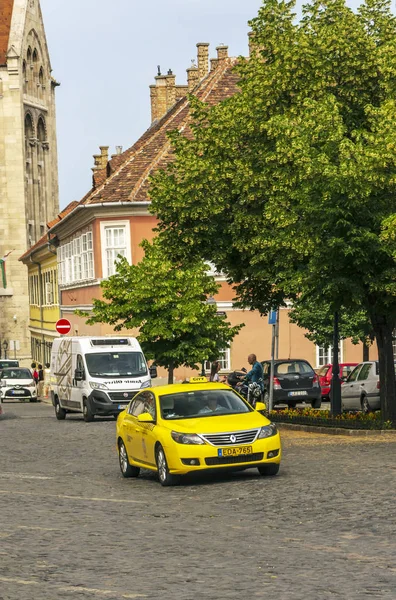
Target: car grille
[
  {"x": 122, "y": 396},
  {"x": 224, "y": 439},
  {"x": 232, "y": 460}
]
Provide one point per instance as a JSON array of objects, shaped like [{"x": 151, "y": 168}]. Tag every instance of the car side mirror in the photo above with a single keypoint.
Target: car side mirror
[
  {"x": 79, "y": 375},
  {"x": 260, "y": 406},
  {"x": 344, "y": 378},
  {"x": 153, "y": 372},
  {"x": 145, "y": 418}
]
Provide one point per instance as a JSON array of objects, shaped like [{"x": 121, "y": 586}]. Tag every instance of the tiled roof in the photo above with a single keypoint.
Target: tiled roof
[
  {"x": 126, "y": 178},
  {"x": 6, "y": 7},
  {"x": 44, "y": 240}
]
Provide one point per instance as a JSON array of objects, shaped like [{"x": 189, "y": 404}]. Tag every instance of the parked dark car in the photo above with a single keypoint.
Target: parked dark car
[
  {"x": 325, "y": 374},
  {"x": 294, "y": 381}
]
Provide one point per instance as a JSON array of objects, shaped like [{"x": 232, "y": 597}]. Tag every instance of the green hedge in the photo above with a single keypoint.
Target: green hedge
[{"x": 323, "y": 418}]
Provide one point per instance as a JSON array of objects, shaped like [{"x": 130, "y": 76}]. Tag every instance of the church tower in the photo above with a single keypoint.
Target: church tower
[{"x": 28, "y": 160}]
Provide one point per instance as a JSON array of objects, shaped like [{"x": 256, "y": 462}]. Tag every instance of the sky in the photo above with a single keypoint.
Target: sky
[{"x": 105, "y": 55}]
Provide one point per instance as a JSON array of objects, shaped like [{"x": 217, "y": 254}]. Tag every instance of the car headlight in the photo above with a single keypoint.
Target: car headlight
[
  {"x": 98, "y": 386},
  {"x": 3, "y": 383},
  {"x": 186, "y": 438},
  {"x": 146, "y": 384},
  {"x": 31, "y": 385},
  {"x": 267, "y": 431}
]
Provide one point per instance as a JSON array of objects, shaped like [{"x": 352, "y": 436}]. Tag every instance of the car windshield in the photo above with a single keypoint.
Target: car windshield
[
  {"x": 116, "y": 364},
  {"x": 293, "y": 366},
  {"x": 323, "y": 371},
  {"x": 8, "y": 363},
  {"x": 202, "y": 403},
  {"x": 16, "y": 374}
]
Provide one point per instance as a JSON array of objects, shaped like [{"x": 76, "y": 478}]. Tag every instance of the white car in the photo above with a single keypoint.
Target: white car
[
  {"x": 361, "y": 390},
  {"x": 17, "y": 384}
]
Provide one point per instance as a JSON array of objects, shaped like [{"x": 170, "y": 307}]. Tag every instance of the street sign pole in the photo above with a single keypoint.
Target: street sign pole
[{"x": 272, "y": 320}]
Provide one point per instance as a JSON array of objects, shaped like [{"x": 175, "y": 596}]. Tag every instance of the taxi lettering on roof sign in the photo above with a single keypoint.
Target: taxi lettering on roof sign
[{"x": 186, "y": 428}]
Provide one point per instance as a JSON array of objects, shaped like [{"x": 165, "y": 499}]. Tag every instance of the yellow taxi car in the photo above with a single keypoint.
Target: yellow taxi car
[{"x": 183, "y": 428}]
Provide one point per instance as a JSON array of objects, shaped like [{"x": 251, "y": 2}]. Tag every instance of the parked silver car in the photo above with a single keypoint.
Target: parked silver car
[{"x": 361, "y": 390}]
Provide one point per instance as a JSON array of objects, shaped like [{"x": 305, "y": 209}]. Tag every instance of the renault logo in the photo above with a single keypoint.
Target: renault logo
[
  {"x": 125, "y": 395},
  {"x": 233, "y": 438}
]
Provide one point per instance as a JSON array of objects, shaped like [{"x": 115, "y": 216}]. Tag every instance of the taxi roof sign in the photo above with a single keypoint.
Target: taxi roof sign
[{"x": 198, "y": 380}]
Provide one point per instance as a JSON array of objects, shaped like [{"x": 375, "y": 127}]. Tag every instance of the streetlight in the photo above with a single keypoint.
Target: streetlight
[
  {"x": 335, "y": 391},
  {"x": 210, "y": 301}
]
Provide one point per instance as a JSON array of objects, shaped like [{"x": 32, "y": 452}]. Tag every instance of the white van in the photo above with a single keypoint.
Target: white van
[{"x": 96, "y": 375}]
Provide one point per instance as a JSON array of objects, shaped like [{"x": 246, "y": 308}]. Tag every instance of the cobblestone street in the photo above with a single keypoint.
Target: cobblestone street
[{"x": 72, "y": 527}]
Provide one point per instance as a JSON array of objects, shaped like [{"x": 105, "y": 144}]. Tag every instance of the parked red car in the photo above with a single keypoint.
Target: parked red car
[{"x": 325, "y": 373}]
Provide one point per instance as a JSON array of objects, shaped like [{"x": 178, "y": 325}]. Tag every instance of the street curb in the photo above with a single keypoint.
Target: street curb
[{"x": 336, "y": 430}]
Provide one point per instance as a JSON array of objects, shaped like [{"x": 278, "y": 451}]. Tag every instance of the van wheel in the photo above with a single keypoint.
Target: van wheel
[
  {"x": 366, "y": 408},
  {"x": 87, "y": 412},
  {"x": 60, "y": 412},
  {"x": 292, "y": 404},
  {"x": 165, "y": 478},
  {"x": 127, "y": 469}
]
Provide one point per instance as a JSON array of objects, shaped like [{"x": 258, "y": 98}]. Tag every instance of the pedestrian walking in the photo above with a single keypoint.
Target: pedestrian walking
[
  {"x": 34, "y": 372},
  {"x": 40, "y": 385}
]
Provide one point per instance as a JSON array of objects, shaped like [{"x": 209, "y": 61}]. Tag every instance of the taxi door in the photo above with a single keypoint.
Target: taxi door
[
  {"x": 130, "y": 426},
  {"x": 145, "y": 435}
]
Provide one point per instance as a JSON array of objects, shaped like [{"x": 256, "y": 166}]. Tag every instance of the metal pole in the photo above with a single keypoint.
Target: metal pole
[
  {"x": 335, "y": 392},
  {"x": 277, "y": 335},
  {"x": 203, "y": 369},
  {"x": 271, "y": 390}
]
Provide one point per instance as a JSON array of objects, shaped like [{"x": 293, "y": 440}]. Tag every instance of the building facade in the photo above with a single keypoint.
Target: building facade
[{"x": 28, "y": 157}]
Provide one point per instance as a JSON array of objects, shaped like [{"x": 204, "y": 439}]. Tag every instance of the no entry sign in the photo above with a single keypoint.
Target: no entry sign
[{"x": 63, "y": 326}]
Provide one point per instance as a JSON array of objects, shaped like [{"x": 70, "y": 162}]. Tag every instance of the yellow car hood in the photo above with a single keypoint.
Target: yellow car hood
[{"x": 217, "y": 424}]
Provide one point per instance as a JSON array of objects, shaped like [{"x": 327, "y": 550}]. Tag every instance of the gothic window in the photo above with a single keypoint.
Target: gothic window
[
  {"x": 41, "y": 133},
  {"x": 24, "y": 76},
  {"x": 41, "y": 78}
]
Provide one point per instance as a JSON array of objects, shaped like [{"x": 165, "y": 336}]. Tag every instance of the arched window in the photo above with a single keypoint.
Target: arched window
[
  {"x": 24, "y": 76},
  {"x": 29, "y": 55},
  {"x": 41, "y": 132},
  {"x": 29, "y": 130},
  {"x": 35, "y": 56},
  {"x": 41, "y": 76}
]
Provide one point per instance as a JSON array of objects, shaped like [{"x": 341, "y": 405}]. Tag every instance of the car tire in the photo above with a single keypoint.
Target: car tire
[
  {"x": 268, "y": 470},
  {"x": 316, "y": 403},
  {"x": 87, "y": 412},
  {"x": 127, "y": 470},
  {"x": 32, "y": 399},
  {"x": 292, "y": 404},
  {"x": 165, "y": 478},
  {"x": 60, "y": 412},
  {"x": 266, "y": 399},
  {"x": 365, "y": 404}
]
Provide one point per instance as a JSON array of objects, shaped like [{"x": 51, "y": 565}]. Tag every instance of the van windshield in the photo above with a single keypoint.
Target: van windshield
[{"x": 116, "y": 364}]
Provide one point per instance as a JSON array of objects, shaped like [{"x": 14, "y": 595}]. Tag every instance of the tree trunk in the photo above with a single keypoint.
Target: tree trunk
[
  {"x": 170, "y": 373},
  {"x": 366, "y": 352},
  {"x": 383, "y": 329}
]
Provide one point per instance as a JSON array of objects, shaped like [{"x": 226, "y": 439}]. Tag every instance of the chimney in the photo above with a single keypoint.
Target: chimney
[
  {"x": 101, "y": 160},
  {"x": 203, "y": 59},
  {"x": 214, "y": 63},
  {"x": 253, "y": 47},
  {"x": 162, "y": 94},
  {"x": 222, "y": 52},
  {"x": 117, "y": 152},
  {"x": 192, "y": 77}
]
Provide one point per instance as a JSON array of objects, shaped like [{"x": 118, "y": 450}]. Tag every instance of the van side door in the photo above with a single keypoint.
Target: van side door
[{"x": 78, "y": 382}]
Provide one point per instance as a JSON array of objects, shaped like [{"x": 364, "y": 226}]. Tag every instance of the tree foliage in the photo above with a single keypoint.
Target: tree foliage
[
  {"x": 167, "y": 302},
  {"x": 288, "y": 185}
]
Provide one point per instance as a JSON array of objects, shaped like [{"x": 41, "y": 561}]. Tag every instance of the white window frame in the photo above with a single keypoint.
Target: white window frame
[
  {"x": 76, "y": 260},
  {"x": 106, "y": 225},
  {"x": 327, "y": 354},
  {"x": 224, "y": 359}
]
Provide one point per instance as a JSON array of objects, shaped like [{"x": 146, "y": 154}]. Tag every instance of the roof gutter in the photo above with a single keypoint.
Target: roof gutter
[{"x": 97, "y": 205}]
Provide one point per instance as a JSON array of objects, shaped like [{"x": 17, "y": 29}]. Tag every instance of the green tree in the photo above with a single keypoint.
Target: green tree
[
  {"x": 286, "y": 185},
  {"x": 316, "y": 316},
  {"x": 167, "y": 302}
]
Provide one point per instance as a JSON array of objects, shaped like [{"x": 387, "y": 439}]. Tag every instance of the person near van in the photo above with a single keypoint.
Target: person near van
[
  {"x": 256, "y": 373},
  {"x": 214, "y": 371},
  {"x": 35, "y": 374},
  {"x": 40, "y": 385},
  {"x": 47, "y": 380}
]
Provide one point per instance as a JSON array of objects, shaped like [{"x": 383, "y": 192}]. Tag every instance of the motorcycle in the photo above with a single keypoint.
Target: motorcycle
[{"x": 252, "y": 392}]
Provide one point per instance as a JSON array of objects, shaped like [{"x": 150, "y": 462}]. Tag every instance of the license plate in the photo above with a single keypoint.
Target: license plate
[
  {"x": 18, "y": 393},
  {"x": 235, "y": 451},
  {"x": 122, "y": 406},
  {"x": 299, "y": 393}
]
